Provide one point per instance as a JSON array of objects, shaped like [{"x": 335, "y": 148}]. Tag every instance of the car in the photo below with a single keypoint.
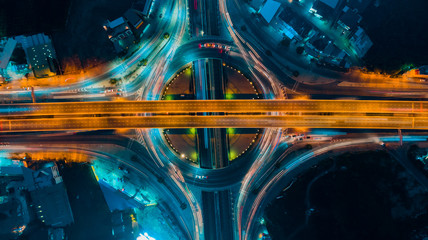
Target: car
[{"x": 201, "y": 177}]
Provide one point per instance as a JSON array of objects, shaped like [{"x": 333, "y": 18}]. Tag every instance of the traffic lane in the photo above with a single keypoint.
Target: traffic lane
[
  {"x": 209, "y": 216},
  {"x": 221, "y": 121},
  {"x": 226, "y": 223},
  {"x": 238, "y": 106}
]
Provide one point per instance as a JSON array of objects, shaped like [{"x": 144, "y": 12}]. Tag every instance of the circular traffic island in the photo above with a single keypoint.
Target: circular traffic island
[{"x": 220, "y": 146}]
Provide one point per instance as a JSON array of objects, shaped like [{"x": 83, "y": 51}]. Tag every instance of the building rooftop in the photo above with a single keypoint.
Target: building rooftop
[
  {"x": 6, "y": 52},
  {"x": 325, "y": 8},
  {"x": 52, "y": 205},
  {"x": 133, "y": 18},
  {"x": 41, "y": 55},
  {"x": 349, "y": 19},
  {"x": 34, "y": 180},
  {"x": 120, "y": 34},
  {"x": 320, "y": 42},
  {"x": 330, "y": 3},
  {"x": 269, "y": 10},
  {"x": 117, "y": 22},
  {"x": 361, "y": 42},
  {"x": 297, "y": 22}
]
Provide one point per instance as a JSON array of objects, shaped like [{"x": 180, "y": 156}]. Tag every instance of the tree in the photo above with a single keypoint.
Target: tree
[
  {"x": 268, "y": 52},
  {"x": 113, "y": 81},
  {"x": 243, "y": 28},
  {"x": 166, "y": 35},
  {"x": 285, "y": 42},
  {"x": 296, "y": 73},
  {"x": 299, "y": 50}
]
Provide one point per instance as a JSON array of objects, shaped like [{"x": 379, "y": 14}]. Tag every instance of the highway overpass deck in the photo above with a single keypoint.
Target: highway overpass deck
[
  {"x": 230, "y": 106},
  {"x": 224, "y": 121}
]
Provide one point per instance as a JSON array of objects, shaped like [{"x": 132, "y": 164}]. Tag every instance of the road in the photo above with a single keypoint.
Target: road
[
  {"x": 226, "y": 121},
  {"x": 228, "y": 106}
]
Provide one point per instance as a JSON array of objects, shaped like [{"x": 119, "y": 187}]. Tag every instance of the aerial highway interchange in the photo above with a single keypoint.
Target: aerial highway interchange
[{"x": 222, "y": 202}]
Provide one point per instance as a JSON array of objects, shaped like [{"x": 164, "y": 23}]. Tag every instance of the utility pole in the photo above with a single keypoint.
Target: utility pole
[{"x": 33, "y": 97}]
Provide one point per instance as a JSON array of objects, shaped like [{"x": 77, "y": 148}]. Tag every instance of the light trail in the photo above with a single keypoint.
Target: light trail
[
  {"x": 227, "y": 106},
  {"x": 220, "y": 121}
]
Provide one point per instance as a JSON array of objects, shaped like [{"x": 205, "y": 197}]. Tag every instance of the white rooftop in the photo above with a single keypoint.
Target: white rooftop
[{"x": 269, "y": 10}]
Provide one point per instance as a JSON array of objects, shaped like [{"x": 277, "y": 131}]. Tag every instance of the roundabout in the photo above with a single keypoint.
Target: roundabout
[{"x": 184, "y": 141}]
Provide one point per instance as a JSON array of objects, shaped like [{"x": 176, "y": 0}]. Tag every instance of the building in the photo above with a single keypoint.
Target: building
[
  {"x": 269, "y": 10},
  {"x": 143, "y": 6},
  {"x": 320, "y": 41},
  {"x": 48, "y": 196},
  {"x": 120, "y": 34},
  {"x": 133, "y": 17},
  {"x": 348, "y": 20},
  {"x": 6, "y": 51},
  {"x": 26, "y": 195},
  {"x": 325, "y": 9},
  {"x": 294, "y": 25},
  {"x": 326, "y": 52},
  {"x": 361, "y": 42},
  {"x": 52, "y": 206},
  {"x": 13, "y": 203},
  {"x": 334, "y": 55},
  {"x": 136, "y": 22},
  {"x": 41, "y": 55}
]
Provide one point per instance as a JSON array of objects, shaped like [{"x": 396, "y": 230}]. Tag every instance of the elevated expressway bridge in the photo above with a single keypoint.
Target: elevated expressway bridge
[
  {"x": 229, "y": 106},
  {"x": 237, "y": 114}
]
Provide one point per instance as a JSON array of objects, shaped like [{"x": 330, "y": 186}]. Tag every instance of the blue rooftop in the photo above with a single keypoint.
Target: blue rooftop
[{"x": 269, "y": 10}]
